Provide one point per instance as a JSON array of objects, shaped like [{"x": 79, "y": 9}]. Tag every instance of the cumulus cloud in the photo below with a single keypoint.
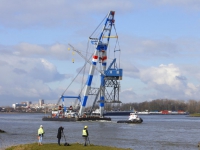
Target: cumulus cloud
[
  {"x": 27, "y": 49},
  {"x": 27, "y": 78},
  {"x": 162, "y": 75},
  {"x": 164, "y": 81},
  {"x": 55, "y": 51},
  {"x": 169, "y": 82}
]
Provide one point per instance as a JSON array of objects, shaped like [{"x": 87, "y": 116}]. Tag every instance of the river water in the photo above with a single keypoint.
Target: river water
[{"x": 157, "y": 132}]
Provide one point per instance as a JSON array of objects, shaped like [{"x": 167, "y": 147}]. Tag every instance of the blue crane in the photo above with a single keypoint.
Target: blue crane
[
  {"x": 109, "y": 76},
  {"x": 100, "y": 55}
]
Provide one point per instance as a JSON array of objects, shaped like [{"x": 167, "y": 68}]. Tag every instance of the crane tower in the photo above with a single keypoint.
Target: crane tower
[{"x": 109, "y": 76}]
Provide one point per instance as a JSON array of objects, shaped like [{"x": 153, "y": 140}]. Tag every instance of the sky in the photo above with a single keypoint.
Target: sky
[{"x": 158, "y": 41}]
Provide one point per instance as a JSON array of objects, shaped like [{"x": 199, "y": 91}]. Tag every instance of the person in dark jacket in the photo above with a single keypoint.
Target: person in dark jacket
[
  {"x": 85, "y": 135},
  {"x": 59, "y": 135}
]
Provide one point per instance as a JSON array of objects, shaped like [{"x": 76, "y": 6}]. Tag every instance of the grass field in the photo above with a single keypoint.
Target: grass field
[
  {"x": 54, "y": 146},
  {"x": 195, "y": 115}
]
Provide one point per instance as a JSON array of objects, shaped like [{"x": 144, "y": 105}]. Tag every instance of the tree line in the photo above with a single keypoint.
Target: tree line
[{"x": 191, "y": 106}]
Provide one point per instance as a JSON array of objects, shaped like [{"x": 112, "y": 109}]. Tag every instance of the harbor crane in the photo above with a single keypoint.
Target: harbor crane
[
  {"x": 109, "y": 76},
  {"x": 108, "y": 92}
]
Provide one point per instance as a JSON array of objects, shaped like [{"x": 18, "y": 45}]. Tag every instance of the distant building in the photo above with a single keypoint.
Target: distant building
[
  {"x": 28, "y": 103},
  {"x": 18, "y": 105},
  {"x": 41, "y": 102}
]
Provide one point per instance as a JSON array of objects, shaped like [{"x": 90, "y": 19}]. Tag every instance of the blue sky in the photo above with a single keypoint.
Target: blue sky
[{"x": 159, "y": 43}]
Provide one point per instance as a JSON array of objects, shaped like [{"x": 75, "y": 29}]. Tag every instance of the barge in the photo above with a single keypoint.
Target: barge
[
  {"x": 130, "y": 122},
  {"x": 76, "y": 119},
  {"x": 70, "y": 115}
]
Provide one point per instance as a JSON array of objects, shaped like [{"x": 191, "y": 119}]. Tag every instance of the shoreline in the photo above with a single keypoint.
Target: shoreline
[
  {"x": 54, "y": 146},
  {"x": 2, "y": 131},
  {"x": 195, "y": 115}
]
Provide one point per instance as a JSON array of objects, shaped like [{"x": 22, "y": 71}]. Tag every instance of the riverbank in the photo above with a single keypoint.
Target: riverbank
[
  {"x": 2, "y": 131},
  {"x": 195, "y": 115},
  {"x": 53, "y": 146},
  {"x": 173, "y": 132}
]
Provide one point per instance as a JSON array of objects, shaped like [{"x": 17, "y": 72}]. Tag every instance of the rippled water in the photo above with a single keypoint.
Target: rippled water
[{"x": 157, "y": 132}]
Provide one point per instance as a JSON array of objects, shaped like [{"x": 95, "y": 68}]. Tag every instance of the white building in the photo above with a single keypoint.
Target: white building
[
  {"x": 18, "y": 105},
  {"x": 41, "y": 102}
]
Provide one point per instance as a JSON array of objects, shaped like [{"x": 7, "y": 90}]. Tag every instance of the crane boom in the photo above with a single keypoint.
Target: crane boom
[{"x": 85, "y": 58}]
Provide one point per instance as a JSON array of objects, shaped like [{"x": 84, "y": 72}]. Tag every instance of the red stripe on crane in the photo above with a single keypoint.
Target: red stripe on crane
[
  {"x": 104, "y": 58},
  {"x": 95, "y": 57}
]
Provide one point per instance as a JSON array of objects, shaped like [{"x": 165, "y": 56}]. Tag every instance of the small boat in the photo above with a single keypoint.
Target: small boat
[{"x": 133, "y": 118}]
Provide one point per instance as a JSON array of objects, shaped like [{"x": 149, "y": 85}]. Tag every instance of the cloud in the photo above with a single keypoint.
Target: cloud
[
  {"x": 162, "y": 75},
  {"x": 26, "y": 49},
  {"x": 162, "y": 50},
  {"x": 168, "y": 82},
  {"x": 164, "y": 81},
  {"x": 145, "y": 47},
  {"x": 188, "y": 3},
  {"x": 129, "y": 69},
  {"x": 50, "y": 13},
  {"x": 164, "y": 64},
  {"x": 128, "y": 95},
  {"x": 27, "y": 78},
  {"x": 192, "y": 5},
  {"x": 55, "y": 51},
  {"x": 61, "y": 13}
]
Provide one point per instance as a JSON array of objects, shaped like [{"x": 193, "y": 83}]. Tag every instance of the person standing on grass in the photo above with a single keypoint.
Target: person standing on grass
[
  {"x": 85, "y": 134},
  {"x": 40, "y": 135},
  {"x": 59, "y": 135}
]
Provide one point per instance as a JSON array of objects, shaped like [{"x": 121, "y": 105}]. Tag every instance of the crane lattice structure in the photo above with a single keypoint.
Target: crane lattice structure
[
  {"x": 108, "y": 92},
  {"x": 109, "y": 76}
]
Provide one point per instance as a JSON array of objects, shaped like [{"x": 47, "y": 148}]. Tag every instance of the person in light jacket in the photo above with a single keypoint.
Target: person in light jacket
[
  {"x": 40, "y": 134},
  {"x": 85, "y": 135}
]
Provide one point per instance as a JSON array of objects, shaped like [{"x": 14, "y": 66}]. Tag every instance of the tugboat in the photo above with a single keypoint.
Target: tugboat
[{"x": 133, "y": 118}]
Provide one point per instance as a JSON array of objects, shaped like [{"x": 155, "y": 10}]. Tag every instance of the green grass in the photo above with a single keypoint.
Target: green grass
[
  {"x": 195, "y": 115},
  {"x": 53, "y": 146}
]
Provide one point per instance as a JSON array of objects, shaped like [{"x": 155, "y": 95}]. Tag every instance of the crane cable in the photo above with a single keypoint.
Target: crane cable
[
  {"x": 117, "y": 42},
  {"x": 70, "y": 84},
  {"x": 97, "y": 27},
  {"x": 85, "y": 67}
]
